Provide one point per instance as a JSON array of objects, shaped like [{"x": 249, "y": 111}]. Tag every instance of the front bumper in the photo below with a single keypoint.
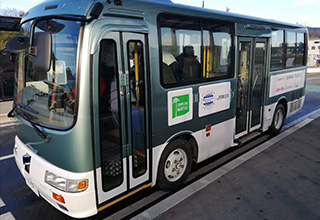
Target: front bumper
[{"x": 78, "y": 205}]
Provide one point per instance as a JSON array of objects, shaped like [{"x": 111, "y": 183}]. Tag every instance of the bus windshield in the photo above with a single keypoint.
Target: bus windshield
[{"x": 50, "y": 95}]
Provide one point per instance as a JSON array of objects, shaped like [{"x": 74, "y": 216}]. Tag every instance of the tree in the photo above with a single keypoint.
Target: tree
[
  {"x": 12, "y": 12},
  {"x": 314, "y": 32}
]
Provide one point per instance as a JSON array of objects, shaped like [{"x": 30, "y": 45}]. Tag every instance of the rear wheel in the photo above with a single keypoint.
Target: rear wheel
[
  {"x": 175, "y": 165},
  {"x": 278, "y": 120}
]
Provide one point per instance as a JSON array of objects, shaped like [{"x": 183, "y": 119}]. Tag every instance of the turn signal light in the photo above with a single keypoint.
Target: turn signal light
[
  {"x": 208, "y": 127},
  {"x": 82, "y": 184},
  {"x": 58, "y": 197}
]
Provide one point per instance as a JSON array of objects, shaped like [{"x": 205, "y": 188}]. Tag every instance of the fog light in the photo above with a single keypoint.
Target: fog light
[{"x": 58, "y": 197}]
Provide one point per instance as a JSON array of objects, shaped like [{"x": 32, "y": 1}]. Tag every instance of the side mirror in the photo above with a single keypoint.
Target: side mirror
[{"x": 41, "y": 51}]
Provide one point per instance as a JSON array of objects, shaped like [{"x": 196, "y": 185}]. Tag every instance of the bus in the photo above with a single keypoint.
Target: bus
[{"x": 116, "y": 96}]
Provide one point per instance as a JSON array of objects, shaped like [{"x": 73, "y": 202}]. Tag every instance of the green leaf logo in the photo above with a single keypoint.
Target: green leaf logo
[{"x": 180, "y": 105}]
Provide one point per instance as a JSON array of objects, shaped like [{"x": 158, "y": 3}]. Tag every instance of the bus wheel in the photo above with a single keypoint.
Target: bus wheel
[
  {"x": 175, "y": 165},
  {"x": 278, "y": 119}
]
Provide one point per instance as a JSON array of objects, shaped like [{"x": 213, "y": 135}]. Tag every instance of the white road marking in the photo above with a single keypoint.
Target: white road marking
[
  {"x": 2, "y": 203},
  {"x": 7, "y": 216},
  {"x": 10, "y": 124},
  {"x": 295, "y": 122},
  {"x": 7, "y": 157}
]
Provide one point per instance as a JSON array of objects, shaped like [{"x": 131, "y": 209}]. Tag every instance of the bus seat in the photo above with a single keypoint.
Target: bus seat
[{"x": 168, "y": 76}]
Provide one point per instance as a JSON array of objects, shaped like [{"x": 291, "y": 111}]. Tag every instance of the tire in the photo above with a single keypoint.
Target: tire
[
  {"x": 278, "y": 120},
  {"x": 175, "y": 165}
]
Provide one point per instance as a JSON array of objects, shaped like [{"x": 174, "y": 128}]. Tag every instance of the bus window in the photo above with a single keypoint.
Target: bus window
[
  {"x": 291, "y": 48},
  {"x": 216, "y": 50},
  {"x": 243, "y": 86},
  {"x": 6, "y": 65},
  {"x": 137, "y": 88},
  {"x": 300, "y": 49},
  {"x": 110, "y": 126},
  {"x": 180, "y": 40},
  {"x": 277, "y": 50}
]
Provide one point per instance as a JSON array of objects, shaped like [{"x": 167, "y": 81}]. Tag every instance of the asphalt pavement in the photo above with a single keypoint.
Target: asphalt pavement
[{"x": 280, "y": 181}]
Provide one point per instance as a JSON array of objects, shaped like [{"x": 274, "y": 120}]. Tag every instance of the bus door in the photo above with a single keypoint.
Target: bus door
[
  {"x": 252, "y": 54},
  {"x": 123, "y": 126}
]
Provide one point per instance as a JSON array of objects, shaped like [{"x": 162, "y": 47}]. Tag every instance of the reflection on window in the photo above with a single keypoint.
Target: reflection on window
[
  {"x": 277, "y": 50},
  {"x": 192, "y": 55},
  {"x": 181, "y": 51},
  {"x": 110, "y": 126},
  {"x": 216, "y": 50},
  {"x": 137, "y": 91},
  {"x": 243, "y": 85},
  {"x": 291, "y": 48},
  {"x": 51, "y": 94},
  {"x": 300, "y": 49},
  {"x": 291, "y": 51}
]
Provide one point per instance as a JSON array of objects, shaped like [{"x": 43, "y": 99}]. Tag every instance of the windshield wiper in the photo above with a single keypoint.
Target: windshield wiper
[
  {"x": 28, "y": 108},
  {"x": 30, "y": 118},
  {"x": 10, "y": 114}
]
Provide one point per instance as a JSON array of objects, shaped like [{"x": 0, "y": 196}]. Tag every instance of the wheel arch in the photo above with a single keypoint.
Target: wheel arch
[
  {"x": 158, "y": 151},
  {"x": 284, "y": 102},
  {"x": 273, "y": 129},
  {"x": 188, "y": 136}
]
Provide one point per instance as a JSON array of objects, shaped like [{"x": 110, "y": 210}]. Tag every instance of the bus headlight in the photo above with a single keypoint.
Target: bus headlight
[{"x": 64, "y": 184}]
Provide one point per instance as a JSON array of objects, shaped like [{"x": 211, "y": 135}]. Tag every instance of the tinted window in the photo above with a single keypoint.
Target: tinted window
[
  {"x": 138, "y": 117},
  {"x": 291, "y": 48},
  {"x": 51, "y": 94},
  {"x": 192, "y": 55},
  {"x": 292, "y": 55},
  {"x": 216, "y": 50},
  {"x": 181, "y": 50},
  {"x": 300, "y": 49},
  {"x": 277, "y": 50},
  {"x": 109, "y": 117}
]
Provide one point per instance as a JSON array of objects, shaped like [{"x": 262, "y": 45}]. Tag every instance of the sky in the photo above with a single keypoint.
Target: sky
[{"x": 305, "y": 12}]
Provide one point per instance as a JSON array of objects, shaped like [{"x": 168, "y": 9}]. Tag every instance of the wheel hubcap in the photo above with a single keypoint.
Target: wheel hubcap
[{"x": 175, "y": 165}]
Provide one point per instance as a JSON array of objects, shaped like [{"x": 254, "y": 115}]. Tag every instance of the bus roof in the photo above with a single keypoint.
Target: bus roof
[{"x": 81, "y": 8}]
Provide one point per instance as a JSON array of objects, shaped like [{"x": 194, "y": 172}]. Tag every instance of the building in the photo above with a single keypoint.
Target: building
[{"x": 314, "y": 52}]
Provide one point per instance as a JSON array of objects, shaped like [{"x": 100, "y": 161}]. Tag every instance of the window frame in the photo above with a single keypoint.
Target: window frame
[
  {"x": 162, "y": 16},
  {"x": 305, "y": 48},
  {"x": 286, "y": 50},
  {"x": 232, "y": 50},
  {"x": 145, "y": 105},
  {"x": 283, "y": 57},
  {"x": 120, "y": 117},
  {"x": 285, "y": 47}
]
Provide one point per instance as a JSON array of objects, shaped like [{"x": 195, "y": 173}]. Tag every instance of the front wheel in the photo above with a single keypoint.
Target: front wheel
[
  {"x": 278, "y": 120},
  {"x": 175, "y": 165}
]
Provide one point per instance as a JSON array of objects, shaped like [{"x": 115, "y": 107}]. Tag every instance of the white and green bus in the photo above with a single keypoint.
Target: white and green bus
[{"x": 118, "y": 95}]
